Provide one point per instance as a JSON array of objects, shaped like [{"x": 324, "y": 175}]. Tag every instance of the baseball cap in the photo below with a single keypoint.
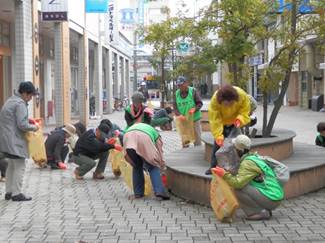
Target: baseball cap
[
  {"x": 104, "y": 129},
  {"x": 180, "y": 80},
  {"x": 242, "y": 142}
]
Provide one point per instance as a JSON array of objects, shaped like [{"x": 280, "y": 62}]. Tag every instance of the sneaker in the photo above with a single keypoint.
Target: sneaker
[
  {"x": 98, "y": 176},
  {"x": 62, "y": 166},
  {"x": 76, "y": 174},
  {"x": 20, "y": 198},
  {"x": 263, "y": 215},
  {"x": 8, "y": 196},
  {"x": 2, "y": 179},
  {"x": 208, "y": 172},
  {"x": 54, "y": 167}
]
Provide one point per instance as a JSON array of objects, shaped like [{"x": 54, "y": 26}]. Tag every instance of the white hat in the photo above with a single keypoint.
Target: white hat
[
  {"x": 143, "y": 83},
  {"x": 242, "y": 142},
  {"x": 69, "y": 129}
]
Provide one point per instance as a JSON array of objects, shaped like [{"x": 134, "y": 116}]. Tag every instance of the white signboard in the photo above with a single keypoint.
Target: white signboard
[
  {"x": 55, "y": 10},
  {"x": 322, "y": 65}
]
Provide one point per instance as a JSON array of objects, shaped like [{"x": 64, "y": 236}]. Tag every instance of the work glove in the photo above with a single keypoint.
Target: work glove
[
  {"x": 117, "y": 133},
  {"x": 62, "y": 165},
  {"x": 191, "y": 111},
  {"x": 111, "y": 141},
  {"x": 219, "y": 141},
  {"x": 118, "y": 147},
  {"x": 182, "y": 118},
  {"x": 236, "y": 123},
  {"x": 219, "y": 171}
]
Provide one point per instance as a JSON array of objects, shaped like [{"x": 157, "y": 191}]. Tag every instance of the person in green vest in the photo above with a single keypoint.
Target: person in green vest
[
  {"x": 320, "y": 138},
  {"x": 134, "y": 112},
  {"x": 143, "y": 146},
  {"x": 256, "y": 186},
  {"x": 188, "y": 101}
]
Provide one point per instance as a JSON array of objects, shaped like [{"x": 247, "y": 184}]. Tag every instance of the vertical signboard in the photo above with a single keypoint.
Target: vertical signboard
[
  {"x": 140, "y": 20},
  {"x": 55, "y": 10}
]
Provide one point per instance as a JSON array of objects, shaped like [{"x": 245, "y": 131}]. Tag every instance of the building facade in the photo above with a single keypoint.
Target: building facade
[{"x": 78, "y": 65}]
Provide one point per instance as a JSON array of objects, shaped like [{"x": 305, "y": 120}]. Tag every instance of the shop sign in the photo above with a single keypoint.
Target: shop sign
[
  {"x": 96, "y": 6},
  {"x": 55, "y": 10}
]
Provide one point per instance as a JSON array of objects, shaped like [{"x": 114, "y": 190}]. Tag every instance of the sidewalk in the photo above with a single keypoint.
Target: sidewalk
[{"x": 66, "y": 210}]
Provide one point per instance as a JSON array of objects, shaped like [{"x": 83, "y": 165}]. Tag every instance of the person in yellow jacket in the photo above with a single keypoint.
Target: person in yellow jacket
[{"x": 229, "y": 107}]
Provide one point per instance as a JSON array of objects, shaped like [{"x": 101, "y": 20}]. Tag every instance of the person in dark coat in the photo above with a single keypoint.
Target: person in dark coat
[
  {"x": 114, "y": 130},
  {"x": 56, "y": 146},
  {"x": 90, "y": 146}
]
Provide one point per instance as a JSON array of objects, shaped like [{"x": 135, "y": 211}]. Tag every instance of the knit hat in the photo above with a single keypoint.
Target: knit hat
[
  {"x": 137, "y": 98},
  {"x": 242, "y": 142},
  {"x": 69, "y": 129}
]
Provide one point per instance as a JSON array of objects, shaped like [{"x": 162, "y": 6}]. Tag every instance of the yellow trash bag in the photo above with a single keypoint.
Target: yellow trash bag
[
  {"x": 36, "y": 147},
  {"x": 223, "y": 200},
  {"x": 186, "y": 129},
  {"x": 126, "y": 170},
  {"x": 115, "y": 157}
]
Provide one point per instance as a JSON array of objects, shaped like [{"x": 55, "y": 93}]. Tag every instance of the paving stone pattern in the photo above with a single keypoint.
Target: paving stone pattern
[{"x": 66, "y": 210}]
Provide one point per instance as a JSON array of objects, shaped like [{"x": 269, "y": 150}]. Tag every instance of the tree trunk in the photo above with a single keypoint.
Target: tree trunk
[
  {"x": 163, "y": 86},
  {"x": 265, "y": 94},
  {"x": 285, "y": 84}
]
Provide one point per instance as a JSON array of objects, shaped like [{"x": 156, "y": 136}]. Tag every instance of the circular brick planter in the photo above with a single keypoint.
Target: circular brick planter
[{"x": 279, "y": 146}]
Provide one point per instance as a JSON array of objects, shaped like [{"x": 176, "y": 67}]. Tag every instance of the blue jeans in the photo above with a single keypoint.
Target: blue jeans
[{"x": 138, "y": 176}]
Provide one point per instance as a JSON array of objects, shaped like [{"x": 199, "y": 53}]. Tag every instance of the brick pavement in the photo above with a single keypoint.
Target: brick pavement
[{"x": 65, "y": 210}]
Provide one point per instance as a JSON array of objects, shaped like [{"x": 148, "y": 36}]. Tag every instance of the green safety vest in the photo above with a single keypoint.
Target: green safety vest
[
  {"x": 147, "y": 129},
  {"x": 320, "y": 138},
  {"x": 185, "y": 104},
  {"x": 270, "y": 187}
]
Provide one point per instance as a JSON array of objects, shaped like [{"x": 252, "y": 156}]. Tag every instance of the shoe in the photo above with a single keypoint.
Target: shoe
[
  {"x": 20, "y": 198},
  {"x": 8, "y": 196},
  {"x": 98, "y": 176},
  {"x": 208, "y": 172},
  {"x": 62, "y": 166},
  {"x": 162, "y": 196},
  {"x": 54, "y": 167},
  {"x": 76, "y": 174},
  {"x": 263, "y": 215},
  {"x": 2, "y": 179}
]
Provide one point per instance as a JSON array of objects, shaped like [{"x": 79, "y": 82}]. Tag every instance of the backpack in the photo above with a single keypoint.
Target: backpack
[{"x": 280, "y": 170}]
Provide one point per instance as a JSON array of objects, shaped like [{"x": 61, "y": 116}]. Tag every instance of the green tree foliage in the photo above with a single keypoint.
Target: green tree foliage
[{"x": 161, "y": 37}]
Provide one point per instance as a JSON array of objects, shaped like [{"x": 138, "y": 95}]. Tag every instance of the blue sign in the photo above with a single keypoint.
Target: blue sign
[
  {"x": 304, "y": 8},
  {"x": 183, "y": 47},
  {"x": 96, "y": 6},
  {"x": 127, "y": 16}
]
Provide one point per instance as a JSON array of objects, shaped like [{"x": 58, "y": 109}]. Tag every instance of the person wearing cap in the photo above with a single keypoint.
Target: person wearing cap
[
  {"x": 114, "y": 130},
  {"x": 143, "y": 89},
  {"x": 90, "y": 146},
  {"x": 134, "y": 112},
  {"x": 229, "y": 108},
  {"x": 14, "y": 124},
  {"x": 256, "y": 186},
  {"x": 143, "y": 146},
  {"x": 56, "y": 146},
  {"x": 188, "y": 101}
]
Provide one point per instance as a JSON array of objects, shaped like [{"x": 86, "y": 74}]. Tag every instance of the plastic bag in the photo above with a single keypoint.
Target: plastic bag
[
  {"x": 36, "y": 147},
  {"x": 126, "y": 171},
  {"x": 222, "y": 198},
  {"x": 227, "y": 156},
  {"x": 186, "y": 129},
  {"x": 115, "y": 157}
]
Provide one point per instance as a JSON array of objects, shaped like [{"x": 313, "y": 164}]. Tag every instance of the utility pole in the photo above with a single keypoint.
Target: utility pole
[{"x": 135, "y": 65}]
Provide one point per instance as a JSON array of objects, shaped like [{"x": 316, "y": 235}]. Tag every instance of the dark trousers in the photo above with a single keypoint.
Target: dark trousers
[
  {"x": 226, "y": 132},
  {"x": 86, "y": 163},
  {"x": 3, "y": 167},
  {"x": 64, "y": 153},
  {"x": 139, "y": 164}
]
